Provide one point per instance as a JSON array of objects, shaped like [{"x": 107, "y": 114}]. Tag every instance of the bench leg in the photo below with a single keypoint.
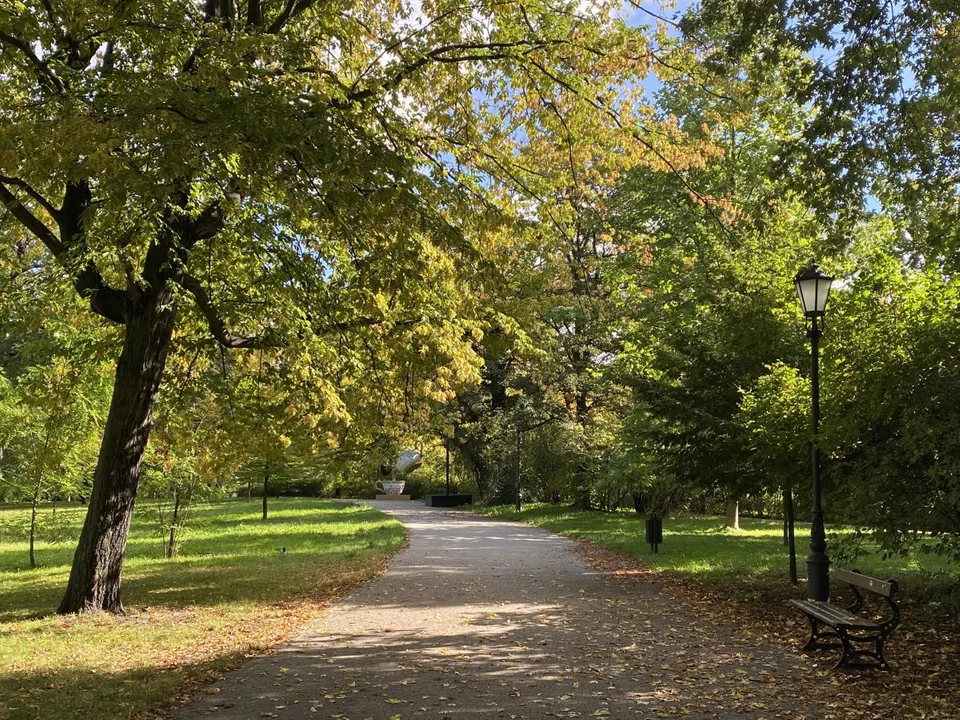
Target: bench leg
[
  {"x": 812, "y": 642},
  {"x": 852, "y": 656},
  {"x": 817, "y": 635},
  {"x": 847, "y": 649},
  {"x": 880, "y": 658}
]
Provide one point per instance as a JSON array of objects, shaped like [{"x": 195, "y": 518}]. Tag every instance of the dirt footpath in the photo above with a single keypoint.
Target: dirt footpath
[{"x": 480, "y": 618}]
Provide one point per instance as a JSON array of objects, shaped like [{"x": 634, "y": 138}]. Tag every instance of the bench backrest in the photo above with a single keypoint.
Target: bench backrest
[{"x": 853, "y": 577}]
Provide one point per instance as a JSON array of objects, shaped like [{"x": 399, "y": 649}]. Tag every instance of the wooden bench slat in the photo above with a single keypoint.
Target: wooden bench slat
[
  {"x": 881, "y": 587},
  {"x": 835, "y": 616}
]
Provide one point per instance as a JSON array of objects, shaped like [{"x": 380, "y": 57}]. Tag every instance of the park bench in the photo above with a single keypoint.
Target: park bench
[{"x": 851, "y": 626}]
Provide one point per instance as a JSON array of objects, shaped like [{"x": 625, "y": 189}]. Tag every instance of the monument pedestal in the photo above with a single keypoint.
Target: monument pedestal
[
  {"x": 452, "y": 500},
  {"x": 393, "y": 497}
]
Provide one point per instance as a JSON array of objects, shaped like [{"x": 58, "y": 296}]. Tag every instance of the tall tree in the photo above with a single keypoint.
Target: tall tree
[
  {"x": 278, "y": 172},
  {"x": 882, "y": 79}
]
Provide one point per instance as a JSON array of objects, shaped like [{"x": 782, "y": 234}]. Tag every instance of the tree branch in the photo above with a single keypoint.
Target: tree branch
[
  {"x": 44, "y": 74},
  {"x": 212, "y": 315},
  {"x": 494, "y": 51},
  {"x": 105, "y": 301},
  {"x": 204, "y": 226},
  {"x": 41, "y": 201},
  {"x": 291, "y": 9},
  {"x": 29, "y": 220},
  {"x": 190, "y": 231}
]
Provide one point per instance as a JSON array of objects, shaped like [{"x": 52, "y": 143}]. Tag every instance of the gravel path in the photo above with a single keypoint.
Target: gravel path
[{"x": 479, "y": 618}]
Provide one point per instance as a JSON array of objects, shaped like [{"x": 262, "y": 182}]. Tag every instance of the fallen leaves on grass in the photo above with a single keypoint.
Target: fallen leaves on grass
[{"x": 924, "y": 653}]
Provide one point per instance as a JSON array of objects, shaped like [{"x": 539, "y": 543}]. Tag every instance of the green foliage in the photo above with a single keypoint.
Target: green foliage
[
  {"x": 891, "y": 429},
  {"x": 775, "y": 414},
  {"x": 882, "y": 80},
  {"x": 707, "y": 297}
]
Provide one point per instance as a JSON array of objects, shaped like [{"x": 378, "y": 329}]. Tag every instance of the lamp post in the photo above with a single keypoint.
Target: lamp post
[
  {"x": 519, "y": 497},
  {"x": 813, "y": 287}
]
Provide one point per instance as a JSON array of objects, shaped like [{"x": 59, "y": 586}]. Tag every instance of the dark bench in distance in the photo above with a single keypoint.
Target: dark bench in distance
[{"x": 850, "y": 628}]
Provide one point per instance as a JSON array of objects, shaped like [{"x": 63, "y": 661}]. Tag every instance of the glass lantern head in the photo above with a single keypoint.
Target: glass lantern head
[{"x": 813, "y": 288}]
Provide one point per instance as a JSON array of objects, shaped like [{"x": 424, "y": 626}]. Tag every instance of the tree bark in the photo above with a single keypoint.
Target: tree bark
[
  {"x": 583, "y": 481},
  {"x": 95, "y": 576},
  {"x": 733, "y": 515}
]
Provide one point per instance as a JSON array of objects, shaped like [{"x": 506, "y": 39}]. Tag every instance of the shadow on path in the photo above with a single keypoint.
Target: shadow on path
[{"x": 480, "y": 618}]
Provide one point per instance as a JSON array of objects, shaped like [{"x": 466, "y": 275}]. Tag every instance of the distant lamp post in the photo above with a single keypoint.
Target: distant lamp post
[{"x": 813, "y": 287}]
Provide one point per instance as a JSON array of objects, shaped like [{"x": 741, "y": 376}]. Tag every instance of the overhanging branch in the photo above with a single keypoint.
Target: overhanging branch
[
  {"x": 44, "y": 74},
  {"x": 291, "y": 9},
  {"x": 104, "y": 300},
  {"x": 30, "y": 221},
  {"x": 452, "y": 53},
  {"x": 29, "y": 190},
  {"x": 212, "y": 315}
]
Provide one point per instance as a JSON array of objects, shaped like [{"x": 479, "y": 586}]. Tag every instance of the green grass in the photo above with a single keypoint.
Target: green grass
[
  {"x": 230, "y": 592},
  {"x": 702, "y": 548}
]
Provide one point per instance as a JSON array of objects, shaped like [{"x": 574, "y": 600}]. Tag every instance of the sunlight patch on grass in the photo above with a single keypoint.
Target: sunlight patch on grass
[{"x": 702, "y": 547}]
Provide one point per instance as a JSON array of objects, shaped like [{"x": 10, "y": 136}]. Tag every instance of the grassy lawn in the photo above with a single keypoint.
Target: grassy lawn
[
  {"x": 750, "y": 559},
  {"x": 231, "y": 592}
]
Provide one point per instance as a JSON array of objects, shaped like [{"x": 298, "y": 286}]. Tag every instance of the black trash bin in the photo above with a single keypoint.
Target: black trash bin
[{"x": 654, "y": 531}]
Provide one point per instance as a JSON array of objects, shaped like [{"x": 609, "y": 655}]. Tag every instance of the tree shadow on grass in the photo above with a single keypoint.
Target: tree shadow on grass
[
  {"x": 202, "y": 580},
  {"x": 229, "y": 515},
  {"x": 88, "y": 694},
  {"x": 255, "y": 562}
]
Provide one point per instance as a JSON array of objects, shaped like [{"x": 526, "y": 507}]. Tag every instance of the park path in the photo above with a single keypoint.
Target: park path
[{"x": 479, "y": 618}]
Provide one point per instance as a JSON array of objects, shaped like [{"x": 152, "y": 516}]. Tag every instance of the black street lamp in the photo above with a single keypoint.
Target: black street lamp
[{"x": 813, "y": 287}]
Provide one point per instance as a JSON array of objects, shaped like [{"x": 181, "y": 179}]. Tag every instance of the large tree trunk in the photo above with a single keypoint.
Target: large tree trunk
[
  {"x": 733, "y": 514},
  {"x": 95, "y": 577}
]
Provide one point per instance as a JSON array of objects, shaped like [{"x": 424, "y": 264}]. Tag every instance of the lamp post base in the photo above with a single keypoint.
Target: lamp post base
[{"x": 818, "y": 578}]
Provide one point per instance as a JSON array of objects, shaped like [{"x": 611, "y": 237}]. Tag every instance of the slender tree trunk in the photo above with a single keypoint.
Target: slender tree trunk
[
  {"x": 38, "y": 487},
  {"x": 584, "y": 486},
  {"x": 171, "y": 549},
  {"x": 733, "y": 515},
  {"x": 33, "y": 521},
  {"x": 447, "y": 447},
  {"x": 519, "y": 492},
  {"x": 266, "y": 486},
  {"x": 160, "y": 514},
  {"x": 791, "y": 540},
  {"x": 95, "y": 576}
]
